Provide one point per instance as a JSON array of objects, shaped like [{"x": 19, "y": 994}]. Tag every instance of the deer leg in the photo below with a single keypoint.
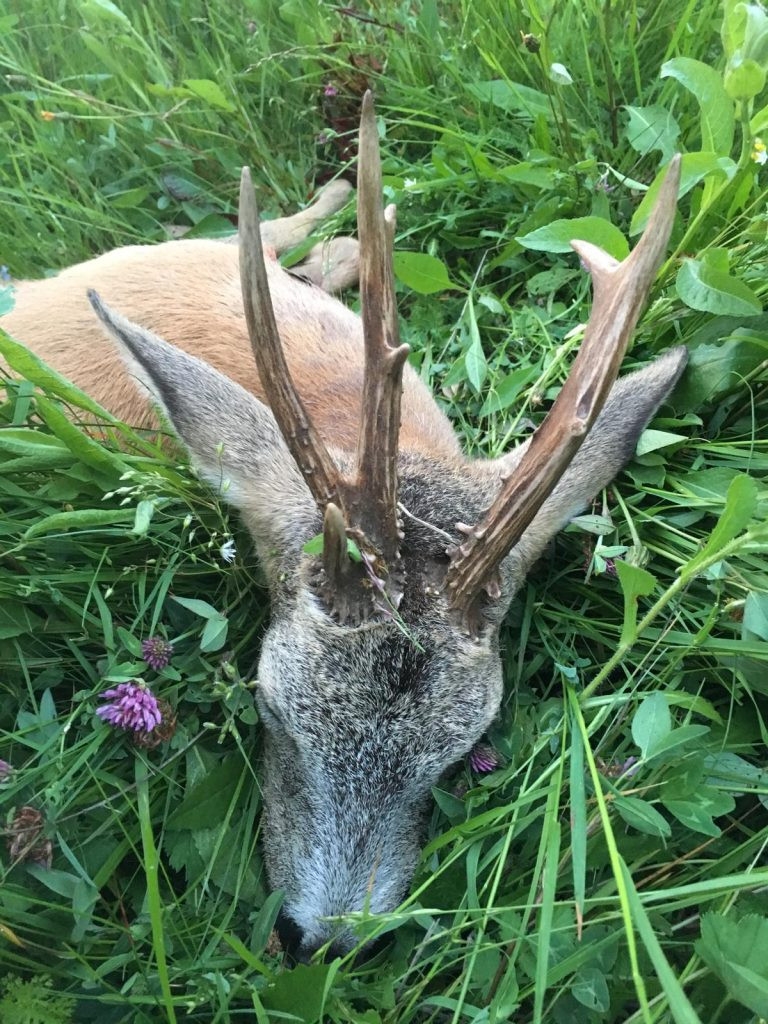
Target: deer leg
[
  {"x": 285, "y": 233},
  {"x": 332, "y": 265}
]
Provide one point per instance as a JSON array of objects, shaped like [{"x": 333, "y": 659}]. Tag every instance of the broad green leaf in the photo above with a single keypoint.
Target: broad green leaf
[
  {"x": 702, "y": 287},
  {"x": 207, "y": 803},
  {"x": 105, "y": 7},
  {"x": 744, "y": 78},
  {"x": 506, "y": 392},
  {"x": 300, "y": 992},
  {"x": 736, "y": 951},
  {"x": 557, "y": 236},
  {"x": 740, "y": 505},
  {"x": 144, "y": 512},
  {"x": 214, "y": 633},
  {"x": 560, "y": 74},
  {"x": 715, "y": 369},
  {"x": 755, "y": 619},
  {"x": 697, "y": 810},
  {"x": 511, "y": 96},
  {"x": 208, "y": 91},
  {"x": 635, "y": 583},
  {"x": 694, "y": 167},
  {"x": 652, "y": 721},
  {"x": 79, "y": 519},
  {"x": 716, "y": 107},
  {"x": 474, "y": 359},
  {"x": 422, "y": 273},
  {"x": 652, "y": 440},
  {"x": 652, "y": 128},
  {"x": 670, "y": 743},
  {"x": 642, "y": 816},
  {"x": 590, "y": 988},
  {"x": 679, "y": 1005},
  {"x": 198, "y": 607}
]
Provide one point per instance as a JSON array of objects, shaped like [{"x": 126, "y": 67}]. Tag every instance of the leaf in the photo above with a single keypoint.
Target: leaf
[
  {"x": 642, "y": 816},
  {"x": 422, "y": 273},
  {"x": 106, "y": 7},
  {"x": 578, "y": 823},
  {"x": 675, "y": 739},
  {"x": 716, "y": 107},
  {"x": 651, "y": 128},
  {"x": 680, "y": 1008},
  {"x": 590, "y": 988},
  {"x": 635, "y": 583},
  {"x": 694, "y": 167},
  {"x": 209, "y": 91},
  {"x": 740, "y": 505},
  {"x": 557, "y": 236},
  {"x": 512, "y": 96},
  {"x": 698, "y": 809},
  {"x": 506, "y": 392},
  {"x": 144, "y": 512},
  {"x": 560, "y": 74},
  {"x": 80, "y": 519},
  {"x": 755, "y": 619},
  {"x": 214, "y": 633},
  {"x": 198, "y": 607},
  {"x": 736, "y": 951},
  {"x": 652, "y": 721},
  {"x": 474, "y": 360},
  {"x": 714, "y": 370},
  {"x": 652, "y": 440},
  {"x": 744, "y": 78},
  {"x": 207, "y": 803},
  {"x": 702, "y": 287},
  {"x": 300, "y": 991}
]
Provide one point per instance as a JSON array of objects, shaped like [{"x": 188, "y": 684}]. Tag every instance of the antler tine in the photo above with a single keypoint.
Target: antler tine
[
  {"x": 304, "y": 442},
  {"x": 620, "y": 291},
  {"x": 374, "y": 498}
]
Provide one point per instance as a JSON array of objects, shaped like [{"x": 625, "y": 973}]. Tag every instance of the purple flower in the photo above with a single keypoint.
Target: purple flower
[
  {"x": 156, "y": 652},
  {"x": 6, "y": 770},
  {"x": 483, "y": 758},
  {"x": 5, "y": 274},
  {"x": 630, "y": 766},
  {"x": 331, "y": 90},
  {"x": 132, "y": 706}
]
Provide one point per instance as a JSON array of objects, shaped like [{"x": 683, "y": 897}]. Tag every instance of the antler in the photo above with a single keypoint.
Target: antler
[
  {"x": 365, "y": 508},
  {"x": 304, "y": 443},
  {"x": 374, "y": 504},
  {"x": 620, "y": 291}
]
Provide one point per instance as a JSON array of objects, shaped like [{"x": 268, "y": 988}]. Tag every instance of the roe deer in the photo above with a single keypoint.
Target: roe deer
[{"x": 380, "y": 668}]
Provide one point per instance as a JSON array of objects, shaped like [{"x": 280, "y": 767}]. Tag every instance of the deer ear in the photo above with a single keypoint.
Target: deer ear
[
  {"x": 608, "y": 447},
  {"x": 232, "y": 437}
]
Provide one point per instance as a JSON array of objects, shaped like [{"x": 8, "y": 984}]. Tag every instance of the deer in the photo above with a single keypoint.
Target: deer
[{"x": 381, "y": 667}]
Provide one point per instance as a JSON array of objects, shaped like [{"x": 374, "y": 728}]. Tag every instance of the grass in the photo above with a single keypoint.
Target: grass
[{"x": 571, "y": 885}]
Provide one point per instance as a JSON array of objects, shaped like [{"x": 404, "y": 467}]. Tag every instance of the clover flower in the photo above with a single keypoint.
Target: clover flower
[
  {"x": 6, "y": 770},
  {"x": 25, "y": 839},
  {"x": 330, "y": 90},
  {"x": 759, "y": 152},
  {"x": 483, "y": 758},
  {"x": 156, "y": 652},
  {"x": 131, "y": 706}
]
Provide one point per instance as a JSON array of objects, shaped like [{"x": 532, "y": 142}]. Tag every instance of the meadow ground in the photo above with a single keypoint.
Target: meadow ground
[{"x": 612, "y": 869}]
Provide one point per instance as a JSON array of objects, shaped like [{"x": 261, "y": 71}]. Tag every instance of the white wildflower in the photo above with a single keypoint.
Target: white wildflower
[{"x": 227, "y": 551}]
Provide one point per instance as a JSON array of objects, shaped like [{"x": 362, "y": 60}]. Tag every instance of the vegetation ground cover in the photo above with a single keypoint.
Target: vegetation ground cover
[{"x": 612, "y": 868}]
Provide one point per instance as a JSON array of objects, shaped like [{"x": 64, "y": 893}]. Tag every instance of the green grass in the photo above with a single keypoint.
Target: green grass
[{"x": 560, "y": 888}]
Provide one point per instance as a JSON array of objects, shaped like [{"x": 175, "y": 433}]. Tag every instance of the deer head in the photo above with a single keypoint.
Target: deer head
[{"x": 381, "y": 667}]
